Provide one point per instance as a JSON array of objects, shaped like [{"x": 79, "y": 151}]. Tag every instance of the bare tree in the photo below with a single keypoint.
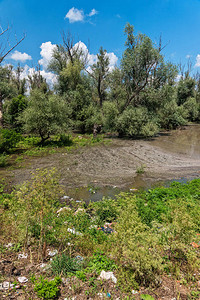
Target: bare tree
[{"x": 6, "y": 47}]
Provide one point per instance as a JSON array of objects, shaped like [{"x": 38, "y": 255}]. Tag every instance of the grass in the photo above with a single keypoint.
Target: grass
[{"x": 154, "y": 233}]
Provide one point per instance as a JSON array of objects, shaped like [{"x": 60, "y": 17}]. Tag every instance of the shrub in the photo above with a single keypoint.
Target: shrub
[
  {"x": 47, "y": 289},
  {"x": 3, "y": 160},
  {"x": 65, "y": 265},
  {"x": 8, "y": 139},
  {"x": 136, "y": 122},
  {"x": 99, "y": 261}
]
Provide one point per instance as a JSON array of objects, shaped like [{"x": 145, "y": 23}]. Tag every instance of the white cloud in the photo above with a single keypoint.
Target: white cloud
[
  {"x": 92, "y": 58},
  {"x": 78, "y": 15},
  {"x": 46, "y": 53},
  {"x": 197, "y": 61},
  {"x": 75, "y": 15},
  {"x": 20, "y": 56},
  {"x": 93, "y": 12},
  {"x": 49, "y": 76},
  {"x": 188, "y": 56},
  {"x": 112, "y": 59}
]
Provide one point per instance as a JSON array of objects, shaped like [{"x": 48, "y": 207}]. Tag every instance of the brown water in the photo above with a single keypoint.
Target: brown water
[{"x": 185, "y": 141}]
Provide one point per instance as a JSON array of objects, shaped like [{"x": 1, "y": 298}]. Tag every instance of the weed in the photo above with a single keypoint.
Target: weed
[
  {"x": 141, "y": 169},
  {"x": 47, "y": 289},
  {"x": 65, "y": 265}
]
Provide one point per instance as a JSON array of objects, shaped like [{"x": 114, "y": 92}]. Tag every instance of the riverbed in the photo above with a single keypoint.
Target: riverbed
[{"x": 122, "y": 164}]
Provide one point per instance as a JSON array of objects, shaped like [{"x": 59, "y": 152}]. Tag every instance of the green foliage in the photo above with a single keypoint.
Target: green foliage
[
  {"x": 146, "y": 297},
  {"x": 33, "y": 208},
  {"x": 47, "y": 289},
  {"x": 110, "y": 115},
  {"x": 141, "y": 169},
  {"x": 3, "y": 160},
  {"x": 99, "y": 261},
  {"x": 185, "y": 90},
  {"x": 135, "y": 245},
  {"x": 65, "y": 265},
  {"x": 45, "y": 115},
  {"x": 8, "y": 139},
  {"x": 192, "y": 107},
  {"x": 136, "y": 122},
  {"x": 172, "y": 116},
  {"x": 105, "y": 211},
  {"x": 13, "y": 110}
]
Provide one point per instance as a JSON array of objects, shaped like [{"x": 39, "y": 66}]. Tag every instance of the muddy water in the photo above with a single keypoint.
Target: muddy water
[{"x": 184, "y": 142}]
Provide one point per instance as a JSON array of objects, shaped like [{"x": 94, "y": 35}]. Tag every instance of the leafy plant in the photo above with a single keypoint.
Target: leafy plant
[
  {"x": 8, "y": 139},
  {"x": 65, "y": 265},
  {"x": 99, "y": 261},
  {"x": 47, "y": 289},
  {"x": 3, "y": 160}
]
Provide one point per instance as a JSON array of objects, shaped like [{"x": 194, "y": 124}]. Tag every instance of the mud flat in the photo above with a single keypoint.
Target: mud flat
[{"x": 172, "y": 155}]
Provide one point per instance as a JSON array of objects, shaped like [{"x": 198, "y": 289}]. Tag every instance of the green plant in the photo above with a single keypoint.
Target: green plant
[
  {"x": 146, "y": 297},
  {"x": 81, "y": 275},
  {"x": 47, "y": 289},
  {"x": 8, "y": 139},
  {"x": 141, "y": 169},
  {"x": 3, "y": 160},
  {"x": 99, "y": 261},
  {"x": 65, "y": 265}
]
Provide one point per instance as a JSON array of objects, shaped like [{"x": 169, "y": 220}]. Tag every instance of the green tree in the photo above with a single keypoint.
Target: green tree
[
  {"x": 143, "y": 66},
  {"x": 45, "y": 115},
  {"x": 99, "y": 73},
  {"x": 7, "y": 88},
  {"x": 13, "y": 109}
]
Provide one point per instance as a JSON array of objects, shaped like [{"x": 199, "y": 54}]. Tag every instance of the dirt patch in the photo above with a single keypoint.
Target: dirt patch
[{"x": 112, "y": 164}]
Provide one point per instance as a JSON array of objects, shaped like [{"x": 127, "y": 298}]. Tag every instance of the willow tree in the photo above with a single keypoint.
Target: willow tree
[{"x": 143, "y": 66}]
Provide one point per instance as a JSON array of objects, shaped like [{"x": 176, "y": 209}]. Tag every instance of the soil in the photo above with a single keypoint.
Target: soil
[{"x": 113, "y": 164}]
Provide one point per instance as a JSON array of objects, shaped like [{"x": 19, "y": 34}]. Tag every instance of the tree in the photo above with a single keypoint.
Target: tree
[
  {"x": 100, "y": 71},
  {"x": 45, "y": 115},
  {"x": 7, "y": 88},
  {"x": 143, "y": 66},
  {"x": 4, "y": 48}
]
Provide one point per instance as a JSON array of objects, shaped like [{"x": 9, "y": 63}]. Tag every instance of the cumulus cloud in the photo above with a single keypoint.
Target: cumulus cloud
[
  {"x": 75, "y": 15},
  {"x": 112, "y": 59},
  {"x": 188, "y": 56},
  {"x": 49, "y": 76},
  {"x": 92, "y": 58},
  {"x": 197, "y": 61},
  {"x": 78, "y": 15},
  {"x": 19, "y": 56},
  {"x": 46, "y": 53},
  {"x": 93, "y": 12}
]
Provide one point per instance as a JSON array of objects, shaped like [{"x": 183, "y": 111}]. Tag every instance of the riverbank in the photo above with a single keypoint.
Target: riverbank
[{"x": 122, "y": 163}]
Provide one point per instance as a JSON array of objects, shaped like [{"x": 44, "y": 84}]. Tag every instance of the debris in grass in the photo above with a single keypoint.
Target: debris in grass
[
  {"x": 22, "y": 279},
  {"x": 22, "y": 255},
  {"x": 107, "y": 276}
]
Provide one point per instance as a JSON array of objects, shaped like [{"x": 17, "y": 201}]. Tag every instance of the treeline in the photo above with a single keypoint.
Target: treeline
[{"x": 137, "y": 98}]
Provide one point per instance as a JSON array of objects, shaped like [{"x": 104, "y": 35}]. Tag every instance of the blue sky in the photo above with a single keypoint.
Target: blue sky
[{"x": 177, "y": 21}]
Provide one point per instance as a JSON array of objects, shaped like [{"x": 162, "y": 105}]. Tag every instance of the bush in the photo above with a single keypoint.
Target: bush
[
  {"x": 172, "y": 116},
  {"x": 135, "y": 122},
  {"x": 3, "y": 160},
  {"x": 8, "y": 139},
  {"x": 47, "y": 289},
  {"x": 65, "y": 265}
]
